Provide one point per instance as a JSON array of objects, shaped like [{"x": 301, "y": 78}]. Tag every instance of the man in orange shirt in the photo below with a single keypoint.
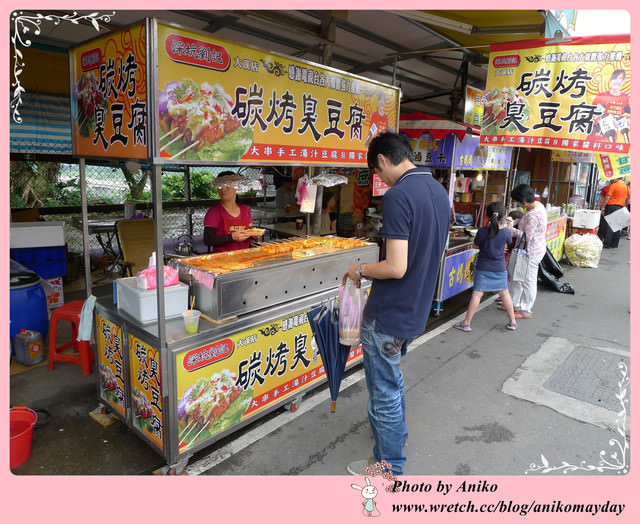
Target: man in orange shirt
[{"x": 615, "y": 197}]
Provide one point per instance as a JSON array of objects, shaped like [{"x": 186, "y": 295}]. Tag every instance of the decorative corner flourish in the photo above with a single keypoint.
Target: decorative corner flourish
[
  {"x": 615, "y": 459},
  {"x": 25, "y": 24}
]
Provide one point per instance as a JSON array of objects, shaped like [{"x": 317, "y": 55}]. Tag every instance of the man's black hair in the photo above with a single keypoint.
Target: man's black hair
[
  {"x": 523, "y": 193},
  {"x": 392, "y": 145}
]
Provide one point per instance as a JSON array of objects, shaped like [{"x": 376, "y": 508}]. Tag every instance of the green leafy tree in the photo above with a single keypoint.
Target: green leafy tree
[
  {"x": 32, "y": 183},
  {"x": 137, "y": 181}
]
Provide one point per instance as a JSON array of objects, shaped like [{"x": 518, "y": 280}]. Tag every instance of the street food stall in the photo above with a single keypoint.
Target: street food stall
[
  {"x": 454, "y": 147},
  {"x": 160, "y": 94}
]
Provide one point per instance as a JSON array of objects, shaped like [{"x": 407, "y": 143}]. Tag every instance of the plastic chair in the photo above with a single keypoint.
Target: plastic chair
[
  {"x": 136, "y": 237},
  {"x": 82, "y": 354}
]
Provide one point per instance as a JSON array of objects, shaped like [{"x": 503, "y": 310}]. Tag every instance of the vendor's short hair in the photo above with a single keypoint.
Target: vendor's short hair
[
  {"x": 523, "y": 193},
  {"x": 392, "y": 145}
]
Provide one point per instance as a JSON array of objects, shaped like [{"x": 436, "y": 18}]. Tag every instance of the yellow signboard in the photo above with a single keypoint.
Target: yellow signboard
[
  {"x": 109, "y": 95},
  {"x": 572, "y": 96},
  {"x": 146, "y": 389},
  {"x": 473, "y": 106},
  {"x": 613, "y": 166},
  {"x": 110, "y": 359},
  {"x": 222, "y": 102},
  {"x": 556, "y": 231},
  {"x": 230, "y": 380}
]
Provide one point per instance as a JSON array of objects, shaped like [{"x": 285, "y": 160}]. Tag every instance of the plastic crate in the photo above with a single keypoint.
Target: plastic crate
[{"x": 48, "y": 262}]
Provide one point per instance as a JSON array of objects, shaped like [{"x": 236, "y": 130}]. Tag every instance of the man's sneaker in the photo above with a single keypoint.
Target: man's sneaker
[{"x": 357, "y": 467}]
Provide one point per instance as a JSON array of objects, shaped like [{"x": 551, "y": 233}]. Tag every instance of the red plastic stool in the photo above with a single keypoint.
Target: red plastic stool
[{"x": 82, "y": 353}]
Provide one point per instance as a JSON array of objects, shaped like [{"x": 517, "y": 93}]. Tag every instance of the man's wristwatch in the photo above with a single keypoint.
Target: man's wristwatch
[{"x": 359, "y": 271}]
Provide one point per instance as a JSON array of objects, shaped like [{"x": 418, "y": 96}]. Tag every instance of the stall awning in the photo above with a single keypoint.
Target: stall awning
[
  {"x": 45, "y": 126},
  {"x": 415, "y": 124}
]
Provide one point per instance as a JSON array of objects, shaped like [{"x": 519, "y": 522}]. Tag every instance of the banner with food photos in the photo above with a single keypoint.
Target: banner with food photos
[
  {"x": 232, "y": 379},
  {"x": 109, "y": 113},
  {"x": 219, "y": 101},
  {"x": 571, "y": 95}
]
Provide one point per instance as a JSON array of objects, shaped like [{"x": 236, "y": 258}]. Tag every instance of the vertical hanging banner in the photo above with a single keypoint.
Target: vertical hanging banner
[
  {"x": 572, "y": 96},
  {"x": 109, "y": 95},
  {"x": 473, "y": 106},
  {"x": 218, "y": 101}
]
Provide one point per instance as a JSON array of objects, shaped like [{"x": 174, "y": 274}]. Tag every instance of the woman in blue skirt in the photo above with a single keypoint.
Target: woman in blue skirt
[{"x": 491, "y": 269}]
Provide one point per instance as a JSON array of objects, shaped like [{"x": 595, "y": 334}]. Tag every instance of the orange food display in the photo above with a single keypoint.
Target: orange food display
[{"x": 227, "y": 261}]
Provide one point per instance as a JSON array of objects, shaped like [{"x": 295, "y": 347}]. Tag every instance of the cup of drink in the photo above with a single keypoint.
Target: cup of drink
[{"x": 191, "y": 320}]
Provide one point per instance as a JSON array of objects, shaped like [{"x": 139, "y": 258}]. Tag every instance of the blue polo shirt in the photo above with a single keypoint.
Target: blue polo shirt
[{"x": 417, "y": 209}]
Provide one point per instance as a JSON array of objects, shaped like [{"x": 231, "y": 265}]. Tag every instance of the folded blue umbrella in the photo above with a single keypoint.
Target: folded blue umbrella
[{"x": 324, "y": 321}]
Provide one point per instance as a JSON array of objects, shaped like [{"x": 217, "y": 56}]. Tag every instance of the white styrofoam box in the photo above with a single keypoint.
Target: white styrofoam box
[
  {"x": 586, "y": 218},
  {"x": 36, "y": 234},
  {"x": 142, "y": 304},
  {"x": 56, "y": 298}
]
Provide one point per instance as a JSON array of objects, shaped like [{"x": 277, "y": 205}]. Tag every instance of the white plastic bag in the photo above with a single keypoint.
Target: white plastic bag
[
  {"x": 351, "y": 305},
  {"x": 306, "y": 193}
]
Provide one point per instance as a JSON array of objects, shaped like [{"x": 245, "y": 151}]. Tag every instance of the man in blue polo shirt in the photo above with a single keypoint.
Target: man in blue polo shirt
[{"x": 415, "y": 227}]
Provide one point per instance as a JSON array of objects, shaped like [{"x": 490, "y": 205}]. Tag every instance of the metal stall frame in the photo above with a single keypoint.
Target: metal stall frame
[
  {"x": 158, "y": 339},
  {"x": 180, "y": 345}
]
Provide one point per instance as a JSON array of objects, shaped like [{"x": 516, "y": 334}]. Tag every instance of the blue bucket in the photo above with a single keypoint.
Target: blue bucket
[{"x": 27, "y": 306}]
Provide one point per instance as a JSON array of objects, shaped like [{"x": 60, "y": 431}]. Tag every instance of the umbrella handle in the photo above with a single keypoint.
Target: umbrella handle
[
  {"x": 344, "y": 280},
  {"x": 333, "y": 406}
]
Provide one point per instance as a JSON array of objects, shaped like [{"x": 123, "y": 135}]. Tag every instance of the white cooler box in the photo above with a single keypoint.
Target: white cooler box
[
  {"x": 586, "y": 218},
  {"x": 36, "y": 234},
  {"x": 142, "y": 304}
]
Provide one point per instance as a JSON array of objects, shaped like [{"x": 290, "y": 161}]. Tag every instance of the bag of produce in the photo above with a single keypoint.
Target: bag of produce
[
  {"x": 583, "y": 250},
  {"x": 351, "y": 305}
]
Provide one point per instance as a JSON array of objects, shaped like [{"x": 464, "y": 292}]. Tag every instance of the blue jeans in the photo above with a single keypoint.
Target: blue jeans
[{"x": 386, "y": 406}]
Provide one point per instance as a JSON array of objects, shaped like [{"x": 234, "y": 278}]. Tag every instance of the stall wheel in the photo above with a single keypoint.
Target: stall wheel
[
  {"x": 175, "y": 469},
  {"x": 294, "y": 405}
]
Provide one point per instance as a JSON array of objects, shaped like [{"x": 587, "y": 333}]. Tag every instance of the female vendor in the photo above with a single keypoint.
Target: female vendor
[{"x": 225, "y": 222}]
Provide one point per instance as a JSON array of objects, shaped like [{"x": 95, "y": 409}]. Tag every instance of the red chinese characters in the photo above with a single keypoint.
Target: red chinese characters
[{"x": 186, "y": 50}]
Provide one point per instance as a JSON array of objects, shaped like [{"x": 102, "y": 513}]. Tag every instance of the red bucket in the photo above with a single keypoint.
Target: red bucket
[{"x": 21, "y": 422}]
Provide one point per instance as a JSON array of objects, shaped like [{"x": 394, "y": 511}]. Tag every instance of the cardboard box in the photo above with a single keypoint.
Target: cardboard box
[
  {"x": 36, "y": 234},
  {"x": 56, "y": 298},
  {"x": 142, "y": 304}
]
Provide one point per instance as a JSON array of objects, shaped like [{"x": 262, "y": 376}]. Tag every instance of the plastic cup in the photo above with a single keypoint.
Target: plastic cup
[{"x": 191, "y": 319}]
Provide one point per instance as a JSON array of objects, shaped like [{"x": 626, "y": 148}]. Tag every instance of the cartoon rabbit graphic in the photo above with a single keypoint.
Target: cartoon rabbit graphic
[{"x": 369, "y": 493}]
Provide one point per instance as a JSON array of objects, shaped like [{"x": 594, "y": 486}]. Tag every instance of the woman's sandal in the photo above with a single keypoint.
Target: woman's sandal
[
  {"x": 502, "y": 308},
  {"x": 520, "y": 314},
  {"x": 512, "y": 326},
  {"x": 462, "y": 326}
]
